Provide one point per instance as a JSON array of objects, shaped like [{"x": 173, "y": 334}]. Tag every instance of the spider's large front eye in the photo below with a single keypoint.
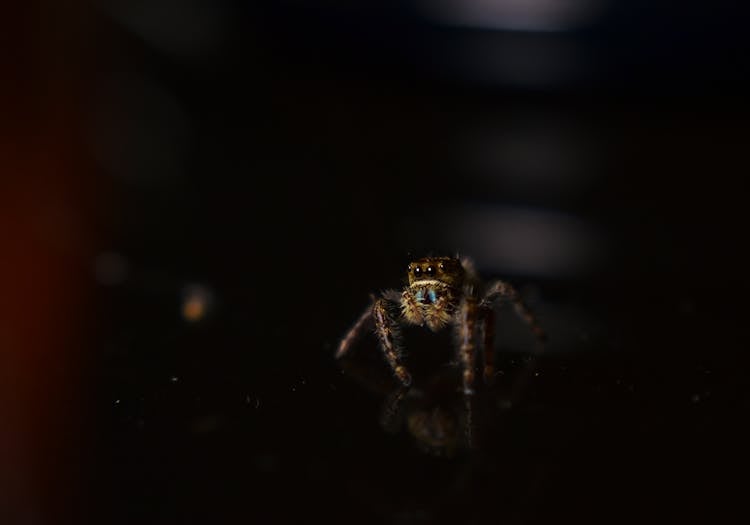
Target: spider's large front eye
[
  {"x": 430, "y": 270},
  {"x": 417, "y": 271}
]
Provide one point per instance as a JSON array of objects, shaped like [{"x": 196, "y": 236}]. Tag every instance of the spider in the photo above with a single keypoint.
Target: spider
[{"x": 442, "y": 291}]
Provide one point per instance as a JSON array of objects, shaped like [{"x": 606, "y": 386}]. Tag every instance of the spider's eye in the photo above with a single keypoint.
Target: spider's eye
[
  {"x": 430, "y": 270},
  {"x": 441, "y": 266},
  {"x": 417, "y": 271}
]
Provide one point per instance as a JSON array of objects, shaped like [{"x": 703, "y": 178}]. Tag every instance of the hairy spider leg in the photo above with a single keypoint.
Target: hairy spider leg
[
  {"x": 502, "y": 290},
  {"x": 488, "y": 340},
  {"x": 353, "y": 333},
  {"x": 466, "y": 323},
  {"x": 389, "y": 336}
]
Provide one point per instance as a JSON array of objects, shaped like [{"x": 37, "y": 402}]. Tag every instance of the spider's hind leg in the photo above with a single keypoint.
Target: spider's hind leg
[
  {"x": 354, "y": 332},
  {"x": 501, "y": 290},
  {"x": 488, "y": 343}
]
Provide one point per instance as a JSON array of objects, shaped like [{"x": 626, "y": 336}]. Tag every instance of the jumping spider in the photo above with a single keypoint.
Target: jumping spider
[{"x": 442, "y": 291}]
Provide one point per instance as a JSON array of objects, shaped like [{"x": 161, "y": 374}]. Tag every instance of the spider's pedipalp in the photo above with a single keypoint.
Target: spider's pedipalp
[{"x": 410, "y": 308}]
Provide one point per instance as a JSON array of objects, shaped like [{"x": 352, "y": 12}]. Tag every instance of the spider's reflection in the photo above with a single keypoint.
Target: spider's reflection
[{"x": 435, "y": 412}]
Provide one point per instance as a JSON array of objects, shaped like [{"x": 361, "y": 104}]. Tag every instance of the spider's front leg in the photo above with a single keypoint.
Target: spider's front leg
[
  {"x": 466, "y": 323},
  {"x": 389, "y": 335}
]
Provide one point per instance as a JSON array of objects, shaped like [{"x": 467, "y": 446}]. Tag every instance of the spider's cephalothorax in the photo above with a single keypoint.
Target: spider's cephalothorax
[
  {"x": 442, "y": 291},
  {"x": 434, "y": 291}
]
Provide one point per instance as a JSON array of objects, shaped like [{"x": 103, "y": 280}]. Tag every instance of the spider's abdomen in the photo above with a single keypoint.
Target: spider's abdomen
[{"x": 429, "y": 302}]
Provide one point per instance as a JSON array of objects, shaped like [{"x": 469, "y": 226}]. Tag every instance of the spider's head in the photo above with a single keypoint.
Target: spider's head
[{"x": 444, "y": 269}]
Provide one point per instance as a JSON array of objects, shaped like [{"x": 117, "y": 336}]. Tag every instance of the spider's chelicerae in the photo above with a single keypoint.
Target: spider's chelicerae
[{"x": 442, "y": 291}]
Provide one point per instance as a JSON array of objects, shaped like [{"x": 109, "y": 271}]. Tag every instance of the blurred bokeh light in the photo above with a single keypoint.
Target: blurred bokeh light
[
  {"x": 514, "y": 15},
  {"x": 196, "y": 302}
]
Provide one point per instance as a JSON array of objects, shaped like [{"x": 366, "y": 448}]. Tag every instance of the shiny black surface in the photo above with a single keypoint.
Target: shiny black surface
[{"x": 316, "y": 161}]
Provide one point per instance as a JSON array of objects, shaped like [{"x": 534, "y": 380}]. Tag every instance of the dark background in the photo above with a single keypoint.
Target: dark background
[{"x": 253, "y": 170}]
